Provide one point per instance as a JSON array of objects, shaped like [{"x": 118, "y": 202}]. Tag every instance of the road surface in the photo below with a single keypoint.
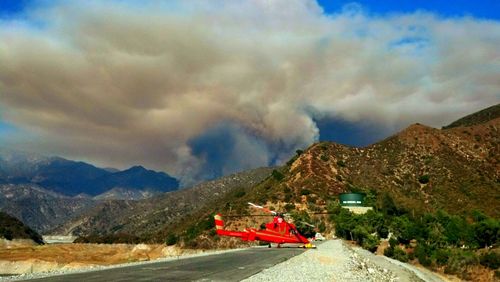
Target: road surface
[{"x": 230, "y": 266}]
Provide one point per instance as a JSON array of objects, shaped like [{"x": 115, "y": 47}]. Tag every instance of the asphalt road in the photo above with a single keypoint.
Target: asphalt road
[{"x": 231, "y": 266}]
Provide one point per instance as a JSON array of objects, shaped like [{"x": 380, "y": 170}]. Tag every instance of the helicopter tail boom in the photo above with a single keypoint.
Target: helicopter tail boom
[{"x": 219, "y": 228}]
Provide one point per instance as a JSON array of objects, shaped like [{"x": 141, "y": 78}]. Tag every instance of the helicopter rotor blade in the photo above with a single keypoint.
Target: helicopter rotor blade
[
  {"x": 263, "y": 208},
  {"x": 246, "y": 215}
]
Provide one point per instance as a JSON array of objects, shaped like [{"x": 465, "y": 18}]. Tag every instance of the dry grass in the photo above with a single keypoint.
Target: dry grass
[{"x": 91, "y": 254}]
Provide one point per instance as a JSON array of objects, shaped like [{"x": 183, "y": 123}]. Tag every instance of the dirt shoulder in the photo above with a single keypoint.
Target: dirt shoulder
[{"x": 18, "y": 257}]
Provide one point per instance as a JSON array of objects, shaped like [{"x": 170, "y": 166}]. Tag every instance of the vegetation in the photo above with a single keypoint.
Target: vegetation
[
  {"x": 424, "y": 179},
  {"x": 434, "y": 239},
  {"x": 12, "y": 228},
  {"x": 277, "y": 175},
  {"x": 302, "y": 222}
]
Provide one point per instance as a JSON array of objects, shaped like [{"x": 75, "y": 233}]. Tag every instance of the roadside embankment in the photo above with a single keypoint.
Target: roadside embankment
[{"x": 334, "y": 260}]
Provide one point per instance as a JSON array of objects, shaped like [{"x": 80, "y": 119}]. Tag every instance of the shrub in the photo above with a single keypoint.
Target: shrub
[
  {"x": 423, "y": 253},
  {"x": 389, "y": 252},
  {"x": 382, "y": 231},
  {"x": 442, "y": 256},
  {"x": 305, "y": 192},
  {"x": 371, "y": 243},
  {"x": 486, "y": 232},
  {"x": 424, "y": 179},
  {"x": 277, "y": 175},
  {"x": 289, "y": 207},
  {"x": 171, "y": 239},
  {"x": 341, "y": 163},
  {"x": 490, "y": 259},
  {"x": 400, "y": 254},
  {"x": 459, "y": 260},
  {"x": 322, "y": 227},
  {"x": 239, "y": 193},
  {"x": 393, "y": 242},
  {"x": 359, "y": 234}
]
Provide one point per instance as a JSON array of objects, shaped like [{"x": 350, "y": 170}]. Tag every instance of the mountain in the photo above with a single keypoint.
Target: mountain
[
  {"x": 72, "y": 178},
  {"x": 156, "y": 215},
  {"x": 12, "y": 228},
  {"x": 45, "y": 192},
  {"x": 137, "y": 178},
  {"x": 39, "y": 208},
  {"x": 421, "y": 168}
]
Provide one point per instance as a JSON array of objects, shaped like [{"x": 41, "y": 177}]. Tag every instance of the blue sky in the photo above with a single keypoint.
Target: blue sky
[
  {"x": 198, "y": 90},
  {"x": 488, "y": 9}
]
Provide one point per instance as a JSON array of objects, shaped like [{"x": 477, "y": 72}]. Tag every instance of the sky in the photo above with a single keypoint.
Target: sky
[{"x": 201, "y": 89}]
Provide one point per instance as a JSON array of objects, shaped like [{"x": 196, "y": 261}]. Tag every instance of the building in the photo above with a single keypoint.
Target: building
[{"x": 354, "y": 202}]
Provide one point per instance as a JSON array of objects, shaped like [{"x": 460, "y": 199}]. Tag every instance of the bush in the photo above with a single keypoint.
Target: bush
[
  {"x": 301, "y": 220},
  {"x": 322, "y": 227},
  {"x": 389, "y": 252},
  {"x": 277, "y": 175},
  {"x": 459, "y": 260},
  {"x": 490, "y": 259},
  {"x": 171, "y": 239},
  {"x": 239, "y": 193},
  {"x": 423, "y": 253},
  {"x": 371, "y": 243},
  {"x": 424, "y": 179},
  {"x": 382, "y": 231},
  {"x": 305, "y": 192},
  {"x": 359, "y": 234},
  {"x": 486, "y": 232},
  {"x": 400, "y": 254},
  {"x": 289, "y": 207},
  {"x": 442, "y": 256}
]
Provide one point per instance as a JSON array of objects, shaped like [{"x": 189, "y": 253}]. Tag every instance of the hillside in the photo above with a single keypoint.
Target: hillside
[
  {"x": 421, "y": 168},
  {"x": 12, "y": 228},
  {"x": 150, "y": 216},
  {"x": 482, "y": 116},
  {"x": 39, "y": 208}
]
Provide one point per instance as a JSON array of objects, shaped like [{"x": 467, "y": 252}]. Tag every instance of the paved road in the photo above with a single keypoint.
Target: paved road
[{"x": 231, "y": 266}]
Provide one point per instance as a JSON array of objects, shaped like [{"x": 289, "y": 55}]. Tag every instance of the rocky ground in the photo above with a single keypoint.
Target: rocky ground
[{"x": 334, "y": 260}]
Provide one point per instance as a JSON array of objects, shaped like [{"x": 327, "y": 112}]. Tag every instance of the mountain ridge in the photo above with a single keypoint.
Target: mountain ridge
[{"x": 72, "y": 178}]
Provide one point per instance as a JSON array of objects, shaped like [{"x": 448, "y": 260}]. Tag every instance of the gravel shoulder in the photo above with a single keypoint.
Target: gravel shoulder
[{"x": 334, "y": 260}]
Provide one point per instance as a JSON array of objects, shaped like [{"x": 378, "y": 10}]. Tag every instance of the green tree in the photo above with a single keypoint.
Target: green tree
[{"x": 486, "y": 232}]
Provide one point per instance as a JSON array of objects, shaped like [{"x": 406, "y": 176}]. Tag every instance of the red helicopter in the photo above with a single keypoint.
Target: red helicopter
[{"x": 278, "y": 231}]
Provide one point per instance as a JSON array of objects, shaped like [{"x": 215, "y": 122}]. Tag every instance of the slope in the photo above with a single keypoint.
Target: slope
[
  {"x": 12, "y": 228},
  {"x": 150, "y": 216}
]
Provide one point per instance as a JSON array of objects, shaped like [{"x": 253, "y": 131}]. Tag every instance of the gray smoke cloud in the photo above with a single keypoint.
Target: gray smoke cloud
[{"x": 122, "y": 82}]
